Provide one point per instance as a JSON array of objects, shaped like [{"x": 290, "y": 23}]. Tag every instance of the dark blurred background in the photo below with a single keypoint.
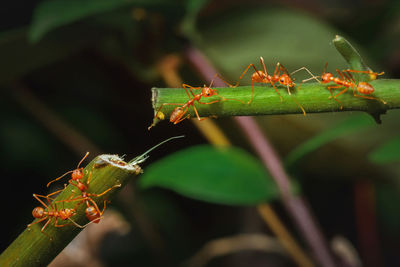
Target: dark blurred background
[{"x": 84, "y": 85}]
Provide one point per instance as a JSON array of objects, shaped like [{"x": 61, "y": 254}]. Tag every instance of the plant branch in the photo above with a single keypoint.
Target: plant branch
[
  {"x": 314, "y": 98},
  {"x": 33, "y": 248}
]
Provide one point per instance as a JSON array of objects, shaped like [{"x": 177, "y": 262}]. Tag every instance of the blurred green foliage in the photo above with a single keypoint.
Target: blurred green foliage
[
  {"x": 352, "y": 124},
  {"x": 218, "y": 175},
  {"x": 388, "y": 152}
]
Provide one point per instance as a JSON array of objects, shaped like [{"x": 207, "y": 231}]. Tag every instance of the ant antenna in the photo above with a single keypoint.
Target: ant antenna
[
  {"x": 144, "y": 156},
  {"x": 79, "y": 164},
  {"x": 326, "y": 65}
]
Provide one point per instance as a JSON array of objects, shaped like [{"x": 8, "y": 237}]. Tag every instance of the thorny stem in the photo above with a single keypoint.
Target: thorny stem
[{"x": 294, "y": 205}]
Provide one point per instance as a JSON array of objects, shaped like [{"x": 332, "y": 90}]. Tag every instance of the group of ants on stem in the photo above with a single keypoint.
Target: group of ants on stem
[
  {"x": 281, "y": 76},
  {"x": 50, "y": 211}
]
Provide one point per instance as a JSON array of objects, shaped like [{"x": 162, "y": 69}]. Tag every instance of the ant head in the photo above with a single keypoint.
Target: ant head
[
  {"x": 258, "y": 76},
  {"x": 66, "y": 213},
  {"x": 326, "y": 77},
  {"x": 77, "y": 174},
  {"x": 38, "y": 212},
  {"x": 285, "y": 79},
  {"x": 207, "y": 91}
]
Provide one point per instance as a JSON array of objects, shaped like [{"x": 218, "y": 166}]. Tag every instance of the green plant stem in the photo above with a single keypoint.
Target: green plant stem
[
  {"x": 314, "y": 98},
  {"x": 33, "y": 248}
]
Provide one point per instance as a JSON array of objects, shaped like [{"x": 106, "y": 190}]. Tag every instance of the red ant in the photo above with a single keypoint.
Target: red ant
[
  {"x": 76, "y": 175},
  {"x": 262, "y": 76},
  {"x": 52, "y": 212},
  {"x": 178, "y": 114},
  {"x": 92, "y": 212},
  {"x": 346, "y": 80}
]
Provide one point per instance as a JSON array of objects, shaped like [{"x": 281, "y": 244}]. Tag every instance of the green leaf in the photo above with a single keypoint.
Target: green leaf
[
  {"x": 387, "y": 153},
  {"x": 353, "y": 58},
  {"x": 352, "y": 124},
  {"x": 18, "y": 57},
  {"x": 49, "y": 15},
  {"x": 219, "y": 175},
  {"x": 193, "y": 8}
]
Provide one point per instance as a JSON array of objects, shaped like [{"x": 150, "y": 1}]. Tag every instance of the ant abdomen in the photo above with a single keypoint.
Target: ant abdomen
[{"x": 365, "y": 88}]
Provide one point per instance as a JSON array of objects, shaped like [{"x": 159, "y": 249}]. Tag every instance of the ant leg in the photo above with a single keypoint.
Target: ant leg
[
  {"x": 241, "y": 76},
  {"x": 56, "y": 192},
  {"x": 372, "y": 75},
  {"x": 288, "y": 89},
  {"x": 225, "y": 81},
  {"x": 181, "y": 118},
  {"x": 341, "y": 75},
  {"x": 252, "y": 92},
  {"x": 335, "y": 97},
  {"x": 225, "y": 99},
  {"x": 301, "y": 107},
  {"x": 349, "y": 77},
  {"x": 185, "y": 86},
  {"x": 341, "y": 92},
  {"x": 99, "y": 195},
  {"x": 369, "y": 97},
  {"x": 279, "y": 68},
  {"x": 197, "y": 114},
  {"x": 333, "y": 87},
  {"x": 212, "y": 102},
  {"x": 44, "y": 227},
  {"x": 38, "y": 199},
  {"x": 41, "y": 220},
  {"x": 48, "y": 184},
  {"x": 77, "y": 224},
  {"x": 277, "y": 91},
  {"x": 89, "y": 178}
]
